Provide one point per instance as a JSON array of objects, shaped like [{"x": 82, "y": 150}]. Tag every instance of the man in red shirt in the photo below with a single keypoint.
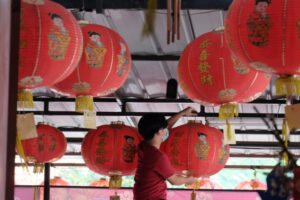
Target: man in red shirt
[{"x": 154, "y": 167}]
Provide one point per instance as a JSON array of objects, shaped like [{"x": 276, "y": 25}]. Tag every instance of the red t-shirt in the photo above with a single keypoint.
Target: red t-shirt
[{"x": 152, "y": 171}]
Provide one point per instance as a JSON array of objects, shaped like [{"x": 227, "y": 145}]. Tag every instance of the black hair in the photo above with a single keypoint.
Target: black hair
[
  {"x": 128, "y": 137},
  {"x": 150, "y": 124},
  {"x": 91, "y": 33},
  {"x": 199, "y": 134},
  {"x": 53, "y": 15},
  {"x": 257, "y": 1}
]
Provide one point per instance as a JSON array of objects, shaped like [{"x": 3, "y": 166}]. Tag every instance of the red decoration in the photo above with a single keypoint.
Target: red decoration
[
  {"x": 196, "y": 148},
  {"x": 102, "y": 182},
  {"x": 104, "y": 65},
  {"x": 251, "y": 185},
  {"x": 50, "y": 43},
  {"x": 205, "y": 183},
  {"x": 49, "y": 146},
  {"x": 265, "y": 34},
  {"x": 210, "y": 75},
  {"x": 111, "y": 149},
  {"x": 57, "y": 181}
]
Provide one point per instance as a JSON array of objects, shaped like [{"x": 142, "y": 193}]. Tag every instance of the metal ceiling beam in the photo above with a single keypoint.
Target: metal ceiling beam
[
  {"x": 99, "y": 5},
  {"x": 255, "y": 144},
  {"x": 238, "y": 132}
]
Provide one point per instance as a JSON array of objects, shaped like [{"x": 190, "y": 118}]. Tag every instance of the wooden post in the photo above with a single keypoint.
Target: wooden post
[{"x": 9, "y": 43}]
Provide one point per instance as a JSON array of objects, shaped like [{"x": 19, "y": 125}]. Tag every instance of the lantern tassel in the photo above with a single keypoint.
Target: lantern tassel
[
  {"x": 21, "y": 152},
  {"x": 193, "y": 195},
  {"x": 38, "y": 168},
  {"x": 115, "y": 197},
  {"x": 84, "y": 103},
  {"x": 229, "y": 110},
  {"x": 229, "y": 132},
  {"x": 115, "y": 182},
  {"x": 286, "y": 86},
  {"x": 34, "y": 193},
  {"x": 285, "y": 138},
  {"x": 150, "y": 18},
  {"x": 25, "y": 99}
]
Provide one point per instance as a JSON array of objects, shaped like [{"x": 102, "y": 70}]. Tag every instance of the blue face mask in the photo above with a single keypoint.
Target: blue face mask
[{"x": 166, "y": 136}]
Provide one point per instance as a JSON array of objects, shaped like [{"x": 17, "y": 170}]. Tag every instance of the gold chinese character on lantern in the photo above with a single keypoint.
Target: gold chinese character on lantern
[
  {"x": 204, "y": 54},
  {"x": 205, "y": 43},
  {"x": 202, "y": 67},
  {"x": 206, "y": 79}
]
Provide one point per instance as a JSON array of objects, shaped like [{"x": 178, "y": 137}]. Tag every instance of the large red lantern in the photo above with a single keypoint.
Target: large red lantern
[
  {"x": 266, "y": 34},
  {"x": 197, "y": 149},
  {"x": 111, "y": 150},
  {"x": 251, "y": 185},
  {"x": 49, "y": 146},
  {"x": 210, "y": 75},
  {"x": 103, "y": 68},
  {"x": 50, "y": 44}
]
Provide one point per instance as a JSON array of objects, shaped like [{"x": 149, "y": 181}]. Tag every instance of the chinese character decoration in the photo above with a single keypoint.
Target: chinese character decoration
[
  {"x": 49, "y": 146},
  {"x": 265, "y": 35},
  {"x": 111, "y": 150},
  {"x": 50, "y": 46},
  {"x": 194, "y": 147},
  {"x": 103, "y": 68},
  {"x": 210, "y": 75}
]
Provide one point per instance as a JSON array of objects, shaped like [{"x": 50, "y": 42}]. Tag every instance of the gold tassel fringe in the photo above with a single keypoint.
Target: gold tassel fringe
[
  {"x": 21, "y": 152},
  {"x": 115, "y": 182},
  {"x": 229, "y": 110},
  {"x": 34, "y": 193},
  {"x": 285, "y": 138},
  {"x": 84, "y": 103},
  {"x": 286, "y": 86},
  {"x": 229, "y": 133},
  {"x": 38, "y": 168},
  {"x": 150, "y": 18},
  {"x": 25, "y": 99}
]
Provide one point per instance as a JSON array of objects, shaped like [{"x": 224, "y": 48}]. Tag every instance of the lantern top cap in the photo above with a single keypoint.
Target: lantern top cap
[
  {"x": 44, "y": 123},
  {"x": 195, "y": 121},
  {"x": 117, "y": 122},
  {"x": 219, "y": 29}
]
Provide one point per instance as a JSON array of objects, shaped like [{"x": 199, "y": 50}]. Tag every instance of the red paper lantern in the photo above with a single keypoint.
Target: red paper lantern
[
  {"x": 56, "y": 181},
  {"x": 251, "y": 185},
  {"x": 103, "y": 68},
  {"x": 205, "y": 183},
  {"x": 102, "y": 182},
  {"x": 196, "y": 148},
  {"x": 111, "y": 149},
  {"x": 50, "y": 44},
  {"x": 210, "y": 75},
  {"x": 266, "y": 34},
  {"x": 49, "y": 146}
]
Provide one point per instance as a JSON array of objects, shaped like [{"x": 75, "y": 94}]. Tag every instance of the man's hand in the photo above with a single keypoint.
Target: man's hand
[
  {"x": 189, "y": 111},
  {"x": 190, "y": 180}
]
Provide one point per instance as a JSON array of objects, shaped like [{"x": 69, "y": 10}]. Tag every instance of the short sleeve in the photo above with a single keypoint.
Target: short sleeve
[{"x": 163, "y": 166}]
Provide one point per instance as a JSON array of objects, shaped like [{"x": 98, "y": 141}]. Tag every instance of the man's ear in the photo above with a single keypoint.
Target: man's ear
[{"x": 159, "y": 132}]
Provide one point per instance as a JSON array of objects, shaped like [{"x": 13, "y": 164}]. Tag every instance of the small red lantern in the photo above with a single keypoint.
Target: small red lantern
[
  {"x": 102, "y": 182},
  {"x": 196, "y": 148},
  {"x": 111, "y": 150},
  {"x": 50, "y": 45},
  {"x": 251, "y": 185},
  {"x": 210, "y": 75},
  {"x": 205, "y": 183},
  {"x": 266, "y": 35},
  {"x": 103, "y": 68},
  {"x": 56, "y": 181},
  {"x": 49, "y": 146}
]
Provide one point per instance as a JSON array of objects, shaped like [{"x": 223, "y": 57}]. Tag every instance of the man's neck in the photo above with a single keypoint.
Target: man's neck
[{"x": 154, "y": 142}]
